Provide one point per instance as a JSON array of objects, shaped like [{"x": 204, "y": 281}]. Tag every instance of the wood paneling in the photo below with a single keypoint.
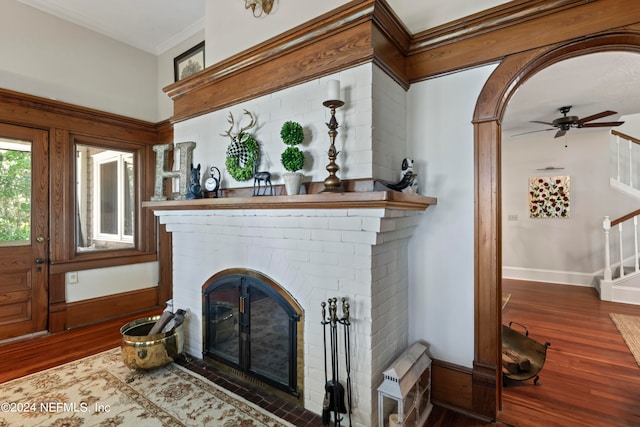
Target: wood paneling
[
  {"x": 57, "y": 302},
  {"x": 65, "y": 123},
  {"x": 451, "y": 386},
  {"x": 87, "y": 312}
]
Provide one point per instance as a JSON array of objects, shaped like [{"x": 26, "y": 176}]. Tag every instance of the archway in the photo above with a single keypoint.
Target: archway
[{"x": 490, "y": 108}]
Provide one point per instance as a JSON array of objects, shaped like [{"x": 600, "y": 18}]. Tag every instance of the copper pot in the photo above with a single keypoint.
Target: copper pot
[{"x": 142, "y": 351}]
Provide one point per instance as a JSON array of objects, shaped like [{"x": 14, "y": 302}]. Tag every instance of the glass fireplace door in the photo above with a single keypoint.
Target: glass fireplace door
[
  {"x": 224, "y": 323},
  {"x": 270, "y": 337},
  {"x": 252, "y": 328}
]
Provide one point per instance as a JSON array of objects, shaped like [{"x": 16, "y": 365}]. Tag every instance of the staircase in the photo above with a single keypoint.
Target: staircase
[{"x": 620, "y": 281}]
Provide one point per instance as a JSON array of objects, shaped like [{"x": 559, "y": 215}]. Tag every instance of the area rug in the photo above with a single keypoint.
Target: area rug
[
  {"x": 505, "y": 300},
  {"x": 629, "y": 328},
  {"x": 101, "y": 391}
]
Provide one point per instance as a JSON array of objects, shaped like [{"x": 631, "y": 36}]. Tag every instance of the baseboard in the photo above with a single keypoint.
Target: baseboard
[
  {"x": 95, "y": 310},
  {"x": 550, "y": 276}
]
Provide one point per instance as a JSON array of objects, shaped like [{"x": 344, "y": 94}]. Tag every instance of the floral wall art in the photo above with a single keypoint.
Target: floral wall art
[{"x": 549, "y": 197}]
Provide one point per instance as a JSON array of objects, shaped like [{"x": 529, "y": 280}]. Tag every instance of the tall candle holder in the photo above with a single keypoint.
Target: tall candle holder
[{"x": 332, "y": 183}]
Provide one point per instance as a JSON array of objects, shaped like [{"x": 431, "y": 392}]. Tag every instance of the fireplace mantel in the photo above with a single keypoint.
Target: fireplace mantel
[{"x": 369, "y": 199}]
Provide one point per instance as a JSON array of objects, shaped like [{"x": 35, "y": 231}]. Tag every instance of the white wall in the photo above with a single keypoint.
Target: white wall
[
  {"x": 568, "y": 250},
  {"x": 51, "y": 58},
  {"x": 230, "y": 28},
  {"x": 111, "y": 280},
  {"x": 441, "y": 281},
  {"x": 166, "y": 75}
]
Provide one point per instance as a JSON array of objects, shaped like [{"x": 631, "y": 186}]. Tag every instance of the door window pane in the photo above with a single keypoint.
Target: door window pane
[{"x": 15, "y": 192}]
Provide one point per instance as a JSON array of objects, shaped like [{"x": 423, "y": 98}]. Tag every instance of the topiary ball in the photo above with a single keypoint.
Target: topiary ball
[{"x": 292, "y": 133}]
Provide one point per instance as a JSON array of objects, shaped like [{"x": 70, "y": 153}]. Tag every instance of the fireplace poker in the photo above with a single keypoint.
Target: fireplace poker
[
  {"x": 326, "y": 413},
  {"x": 334, "y": 392},
  {"x": 347, "y": 351},
  {"x": 338, "y": 390}
]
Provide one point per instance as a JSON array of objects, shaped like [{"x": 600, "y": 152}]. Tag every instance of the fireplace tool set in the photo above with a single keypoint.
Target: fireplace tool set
[{"x": 334, "y": 390}]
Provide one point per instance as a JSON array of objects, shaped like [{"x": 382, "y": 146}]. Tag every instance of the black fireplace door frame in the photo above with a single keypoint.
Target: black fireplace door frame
[{"x": 244, "y": 287}]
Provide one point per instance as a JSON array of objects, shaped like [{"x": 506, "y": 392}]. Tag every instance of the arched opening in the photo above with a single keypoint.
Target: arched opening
[{"x": 490, "y": 109}]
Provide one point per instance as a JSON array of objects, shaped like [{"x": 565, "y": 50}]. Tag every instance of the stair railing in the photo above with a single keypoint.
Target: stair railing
[
  {"x": 624, "y": 152},
  {"x": 629, "y": 219}
]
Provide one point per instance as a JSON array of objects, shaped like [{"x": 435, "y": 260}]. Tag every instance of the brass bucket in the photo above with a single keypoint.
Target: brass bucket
[{"x": 142, "y": 351}]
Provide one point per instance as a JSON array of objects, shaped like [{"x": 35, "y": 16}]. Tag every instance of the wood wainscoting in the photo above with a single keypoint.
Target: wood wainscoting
[{"x": 88, "y": 312}]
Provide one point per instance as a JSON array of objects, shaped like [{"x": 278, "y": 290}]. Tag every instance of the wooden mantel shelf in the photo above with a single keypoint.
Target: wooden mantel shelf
[{"x": 363, "y": 200}]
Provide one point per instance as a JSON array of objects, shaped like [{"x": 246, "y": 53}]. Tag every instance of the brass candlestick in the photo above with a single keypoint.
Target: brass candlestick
[{"x": 332, "y": 183}]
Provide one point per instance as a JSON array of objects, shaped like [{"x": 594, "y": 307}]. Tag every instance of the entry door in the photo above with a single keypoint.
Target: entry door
[{"x": 24, "y": 171}]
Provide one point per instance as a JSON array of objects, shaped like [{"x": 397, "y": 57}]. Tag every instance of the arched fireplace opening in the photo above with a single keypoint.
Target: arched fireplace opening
[{"x": 253, "y": 326}]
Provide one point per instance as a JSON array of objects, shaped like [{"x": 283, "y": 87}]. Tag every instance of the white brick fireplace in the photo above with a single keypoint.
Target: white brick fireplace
[{"x": 351, "y": 245}]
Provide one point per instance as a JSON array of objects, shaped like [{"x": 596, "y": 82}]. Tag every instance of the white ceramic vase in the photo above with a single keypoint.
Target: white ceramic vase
[{"x": 292, "y": 182}]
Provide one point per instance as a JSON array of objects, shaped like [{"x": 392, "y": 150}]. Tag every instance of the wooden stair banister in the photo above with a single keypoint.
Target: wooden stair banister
[
  {"x": 625, "y": 217},
  {"x": 625, "y": 136},
  {"x": 626, "y": 149},
  {"x": 607, "y": 224}
]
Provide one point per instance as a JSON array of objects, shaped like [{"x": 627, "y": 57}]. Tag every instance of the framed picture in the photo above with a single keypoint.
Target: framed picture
[
  {"x": 549, "y": 197},
  {"x": 189, "y": 62}
]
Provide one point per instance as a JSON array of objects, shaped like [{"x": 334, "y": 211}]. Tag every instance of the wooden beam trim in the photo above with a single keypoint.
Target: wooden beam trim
[
  {"x": 574, "y": 23},
  {"x": 502, "y": 16},
  {"x": 75, "y": 117}
]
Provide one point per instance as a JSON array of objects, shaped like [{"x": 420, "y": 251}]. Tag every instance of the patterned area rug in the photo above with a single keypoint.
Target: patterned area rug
[
  {"x": 629, "y": 328},
  {"x": 101, "y": 391}
]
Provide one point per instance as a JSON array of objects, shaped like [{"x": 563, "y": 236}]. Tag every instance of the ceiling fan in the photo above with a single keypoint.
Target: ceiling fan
[{"x": 564, "y": 123}]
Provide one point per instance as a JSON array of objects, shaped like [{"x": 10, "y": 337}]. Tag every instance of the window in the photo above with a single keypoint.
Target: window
[
  {"x": 105, "y": 196},
  {"x": 15, "y": 192}
]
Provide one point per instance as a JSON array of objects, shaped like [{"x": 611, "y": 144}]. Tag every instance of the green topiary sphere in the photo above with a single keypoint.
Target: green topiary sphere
[
  {"x": 292, "y": 133},
  {"x": 292, "y": 159}
]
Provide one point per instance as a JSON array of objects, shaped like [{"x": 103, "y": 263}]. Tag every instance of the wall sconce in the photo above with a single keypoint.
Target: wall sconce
[{"x": 258, "y": 7}]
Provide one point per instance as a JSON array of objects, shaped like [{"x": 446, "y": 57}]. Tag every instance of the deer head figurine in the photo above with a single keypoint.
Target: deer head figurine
[
  {"x": 242, "y": 152},
  {"x": 238, "y": 136}
]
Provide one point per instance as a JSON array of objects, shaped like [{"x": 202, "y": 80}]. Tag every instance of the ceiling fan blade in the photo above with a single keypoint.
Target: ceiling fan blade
[
  {"x": 533, "y": 131},
  {"x": 601, "y": 124},
  {"x": 596, "y": 116},
  {"x": 544, "y": 123},
  {"x": 560, "y": 133}
]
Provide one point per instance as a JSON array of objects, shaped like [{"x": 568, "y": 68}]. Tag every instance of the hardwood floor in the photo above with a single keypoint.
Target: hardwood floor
[
  {"x": 23, "y": 357},
  {"x": 589, "y": 377}
]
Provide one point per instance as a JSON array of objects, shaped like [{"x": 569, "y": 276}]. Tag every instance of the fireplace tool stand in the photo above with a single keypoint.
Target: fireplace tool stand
[{"x": 334, "y": 390}]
